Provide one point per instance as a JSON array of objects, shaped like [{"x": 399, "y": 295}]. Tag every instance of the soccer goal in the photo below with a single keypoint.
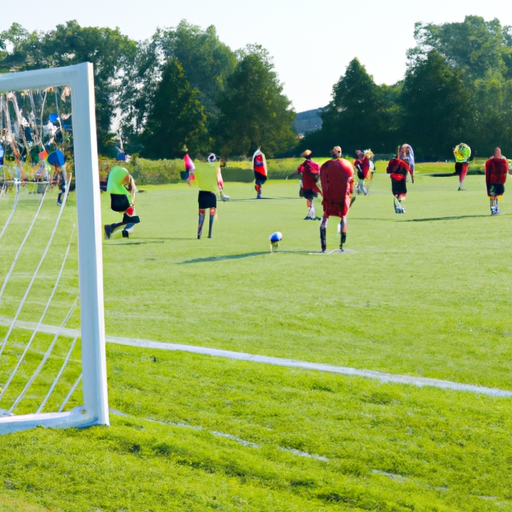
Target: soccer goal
[{"x": 52, "y": 332}]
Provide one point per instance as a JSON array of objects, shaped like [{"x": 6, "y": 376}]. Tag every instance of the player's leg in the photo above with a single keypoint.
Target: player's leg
[
  {"x": 462, "y": 174},
  {"x": 343, "y": 231},
  {"x": 323, "y": 232},
  {"x": 213, "y": 211},
  {"x": 200, "y": 223}
]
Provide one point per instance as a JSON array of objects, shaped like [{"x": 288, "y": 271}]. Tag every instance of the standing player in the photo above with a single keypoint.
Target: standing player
[
  {"x": 337, "y": 179},
  {"x": 406, "y": 154},
  {"x": 259, "y": 166},
  {"x": 122, "y": 190},
  {"x": 398, "y": 169},
  {"x": 310, "y": 174},
  {"x": 209, "y": 179},
  {"x": 362, "y": 163},
  {"x": 496, "y": 169},
  {"x": 461, "y": 152}
]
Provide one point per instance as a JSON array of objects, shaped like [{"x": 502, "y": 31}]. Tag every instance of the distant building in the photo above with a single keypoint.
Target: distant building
[{"x": 308, "y": 121}]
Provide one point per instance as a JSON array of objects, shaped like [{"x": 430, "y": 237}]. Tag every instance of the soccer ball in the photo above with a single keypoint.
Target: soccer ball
[{"x": 276, "y": 237}]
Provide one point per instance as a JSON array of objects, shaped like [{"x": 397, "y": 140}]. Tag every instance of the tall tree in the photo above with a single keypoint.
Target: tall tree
[
  {"x": 69, "y": 44},
  {"x": 253, "y": 110},
  {"x": 477, "y": 48},
  {"x": 492, "y": 111},
  {"x": 206, "y": 61},
  {"x": 436, "y": 106},
  {"x": 176, "y": 118},
  {"x": 359, "y": 113},
  {"x": 481, "y": 52}
]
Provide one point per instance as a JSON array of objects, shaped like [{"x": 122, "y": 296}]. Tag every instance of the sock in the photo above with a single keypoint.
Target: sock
[
  {"x": 212, "y": 218},
  {"x": 200, "y": 224}
]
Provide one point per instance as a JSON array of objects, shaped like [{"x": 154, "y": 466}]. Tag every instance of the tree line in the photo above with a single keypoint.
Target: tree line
[
  {"x": 457, "y": 88},
  {"x": 184, "y": 88}
]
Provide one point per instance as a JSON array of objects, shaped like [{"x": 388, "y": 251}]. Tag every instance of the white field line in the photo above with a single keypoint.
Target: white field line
[
  {"x": 241, "y": 356},
  {"x": 236, "y": 439}
]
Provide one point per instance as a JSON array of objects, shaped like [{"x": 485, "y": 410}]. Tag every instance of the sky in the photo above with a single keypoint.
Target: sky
[{"x": 311, "y": 42}]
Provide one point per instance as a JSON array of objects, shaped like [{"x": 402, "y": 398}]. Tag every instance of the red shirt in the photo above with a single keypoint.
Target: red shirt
[
  {"x": 337, "y": 178},
  {"x": 310, "y": 173},
  {"x": 363, "y": 165},
  {"x": 496, "y": 170},
  {"x": 398, "y": 169}
]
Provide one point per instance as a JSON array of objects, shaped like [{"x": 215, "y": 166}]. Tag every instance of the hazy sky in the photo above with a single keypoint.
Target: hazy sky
[{"x": 311, "y": 42}]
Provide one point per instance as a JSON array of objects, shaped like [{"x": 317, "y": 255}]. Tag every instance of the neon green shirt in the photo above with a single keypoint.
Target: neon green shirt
[
  {"x": 115, "y": 181},
  {"x": 206, "y": 176}
]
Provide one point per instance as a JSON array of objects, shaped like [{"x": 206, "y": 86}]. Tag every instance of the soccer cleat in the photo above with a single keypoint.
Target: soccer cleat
[
  {"x": 308, "y": 218},
  {"x": 125, "y": 234},
  {"x": 108, "y": 231},
  {"x": 258, "y": 196},
  {"x": 343, "y": 239}
]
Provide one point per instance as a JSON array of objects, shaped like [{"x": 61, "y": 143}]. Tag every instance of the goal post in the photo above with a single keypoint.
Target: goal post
[{"x": 90, "y": 265}]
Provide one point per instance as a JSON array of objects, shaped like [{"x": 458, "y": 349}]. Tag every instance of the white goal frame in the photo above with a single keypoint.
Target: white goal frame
[{"x": 90, "y": 254}]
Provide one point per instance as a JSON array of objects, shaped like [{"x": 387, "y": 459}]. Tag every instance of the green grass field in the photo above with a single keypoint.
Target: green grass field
[{"x": 425, "y": 294}]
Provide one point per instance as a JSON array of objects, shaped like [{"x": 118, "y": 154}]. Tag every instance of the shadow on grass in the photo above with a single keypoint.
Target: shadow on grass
[
  {"x": 260, "y": 199},
  {"x": 261, "y": 253},
  {"x": 457, "y": 217},
  {"x": 223, "y": 258}
]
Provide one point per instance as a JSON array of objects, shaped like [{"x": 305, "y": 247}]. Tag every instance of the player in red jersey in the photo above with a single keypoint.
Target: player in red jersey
[
  {"x": 496, "y": 169},
  {"x": 397, "y": 169},
  {"x": 310, "y": 174},
  {"x": 337, "y": 179}
]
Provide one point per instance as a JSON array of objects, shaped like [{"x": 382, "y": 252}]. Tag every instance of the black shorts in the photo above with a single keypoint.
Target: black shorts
[
  {"x": 260, "y": 178},
  {"x": 308, "y": 193},
  {"x": 495, "y": 189},
  {"x": 459, "y": 167},
  {"x": 360, "y": 174},
  {"x": 398, "y": 187},
  {"x": 206, "y": 200},
  {"x": 119, "y": 202}
]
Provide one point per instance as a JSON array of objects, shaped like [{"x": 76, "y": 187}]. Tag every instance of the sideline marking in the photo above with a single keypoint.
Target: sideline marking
[{"x": 292, "y": 363}]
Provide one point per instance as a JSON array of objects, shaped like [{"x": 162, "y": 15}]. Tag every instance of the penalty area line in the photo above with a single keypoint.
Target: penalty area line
[{"x": 290, "y": 363}]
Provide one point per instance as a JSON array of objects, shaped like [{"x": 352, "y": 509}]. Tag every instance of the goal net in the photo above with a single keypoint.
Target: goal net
[{"x": 52, "y": 334}]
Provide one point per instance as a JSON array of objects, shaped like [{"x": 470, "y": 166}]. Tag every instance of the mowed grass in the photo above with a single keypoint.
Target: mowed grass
[{"x": 422, "y": 294}]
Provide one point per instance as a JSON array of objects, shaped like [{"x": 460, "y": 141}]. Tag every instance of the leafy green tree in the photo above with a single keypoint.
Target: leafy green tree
[
  {"x": 253, "y": 110},
  {"x": 176, "y": 118},
  {"x": 436, "y": 107},
  {"x": 482, "y": 54},
  {"x": 492, "y": 112},
  {"x": 206, "y": 61},
  {"x": 475, "y": 47},
  {"x": 69, "y": 44},
  {"x": 359, "y": 114}
]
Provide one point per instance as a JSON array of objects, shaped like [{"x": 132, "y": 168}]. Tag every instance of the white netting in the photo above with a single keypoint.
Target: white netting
[
  {"x": 49, "y": 345},
  {"x": 38, "y": 234}
]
